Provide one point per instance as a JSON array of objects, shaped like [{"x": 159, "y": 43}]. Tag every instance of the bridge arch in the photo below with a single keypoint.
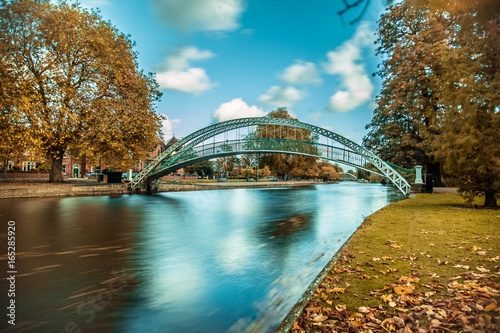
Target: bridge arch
[{"x": 190, "y": 150}]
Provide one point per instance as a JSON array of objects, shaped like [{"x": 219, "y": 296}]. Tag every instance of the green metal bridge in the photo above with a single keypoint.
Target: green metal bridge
[{"x": 197, "y": 147}]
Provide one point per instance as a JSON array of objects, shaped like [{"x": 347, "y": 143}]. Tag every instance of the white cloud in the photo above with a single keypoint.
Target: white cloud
[
  {"x": 210, "y": 15},
  {"x": 237, "y": 108},
  {"x": 301, "y": 73},
  {"x": 179, "y": 59},
  {"x": 282, "y": 96},
  {"x": 168, "y": 128},
  {"x": 344, "y": 61},
  {"x": 193, "y": 80},
  {"x": 176, "y": 74}
]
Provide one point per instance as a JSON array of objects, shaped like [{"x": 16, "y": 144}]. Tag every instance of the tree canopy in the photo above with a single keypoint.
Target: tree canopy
[
  {"x": 439, "y": 99},
  {"x": 288, "y": 164},
  {"x": 75, "y": 82},
  {"x": 285, "y": 164}
]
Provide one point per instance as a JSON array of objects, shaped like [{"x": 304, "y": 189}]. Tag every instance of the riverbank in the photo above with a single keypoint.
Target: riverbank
[
  {"x": 429, "y": 264},
  {"x": 81, "y": 188}
]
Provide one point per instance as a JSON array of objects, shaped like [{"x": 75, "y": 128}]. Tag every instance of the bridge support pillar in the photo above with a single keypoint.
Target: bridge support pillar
[{"x": 418, "y": 176}]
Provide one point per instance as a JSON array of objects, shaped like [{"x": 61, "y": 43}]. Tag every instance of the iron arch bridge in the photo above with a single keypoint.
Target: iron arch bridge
[{"x": 196, "y": 148}]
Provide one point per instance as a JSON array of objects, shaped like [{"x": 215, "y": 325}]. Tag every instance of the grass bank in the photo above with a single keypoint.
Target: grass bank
[{"x": 429, "y": 264}]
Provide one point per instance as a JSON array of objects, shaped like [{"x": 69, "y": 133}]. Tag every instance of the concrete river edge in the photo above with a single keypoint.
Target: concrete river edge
[{"x": 34, "y": 190}]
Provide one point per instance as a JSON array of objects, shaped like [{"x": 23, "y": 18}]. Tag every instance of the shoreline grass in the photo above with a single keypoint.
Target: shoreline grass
[{"x": 429, "y": 264}]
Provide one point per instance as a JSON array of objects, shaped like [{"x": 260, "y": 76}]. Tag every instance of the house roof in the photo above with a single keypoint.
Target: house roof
[{"x": 171, "y": 142}]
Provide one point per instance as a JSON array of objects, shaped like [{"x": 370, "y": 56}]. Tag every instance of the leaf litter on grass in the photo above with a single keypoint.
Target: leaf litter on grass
[{"x": 398, "y": 282}]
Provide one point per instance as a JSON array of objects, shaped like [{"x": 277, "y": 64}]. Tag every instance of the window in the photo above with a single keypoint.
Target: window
[
  {"x": 64, "y": 169},
  {"x": 29, "y": 165}
]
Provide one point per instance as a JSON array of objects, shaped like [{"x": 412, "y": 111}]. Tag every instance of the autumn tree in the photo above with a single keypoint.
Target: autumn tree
[
  {"x": 408, "y": 114},
  {"x": 328, "y": 171},
  {"x": 226, "y": 164},
  {"x": 470, "y": 141},
  {"x": 76, "y": 83},
  {"x": 14, "y": 138},
  {"x": 439, "y": 101},
  {"x": 286, "y": 164}
]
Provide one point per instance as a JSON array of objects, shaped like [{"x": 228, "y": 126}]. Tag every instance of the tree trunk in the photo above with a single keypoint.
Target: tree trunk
[
  {"x": 490, "y": 199},
  {"x": 435, "y": 170},
  {"x": 56, "y": 175},
  {"x": 5, "y": 167},
  {"x": 83, "y": 166}
]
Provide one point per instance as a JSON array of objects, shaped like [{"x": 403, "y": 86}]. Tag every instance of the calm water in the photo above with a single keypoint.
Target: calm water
[{"x": 208, "y": 261}]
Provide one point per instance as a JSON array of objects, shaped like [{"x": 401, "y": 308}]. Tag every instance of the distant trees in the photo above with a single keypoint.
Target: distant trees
[
  {"x": 285, "y": 164},
  {"x": 327, "y": 171},
  {"x": 288, "y": 164},
  {"x": 72, "y": 81},
  {"x": 201, "y": 168},
  {"x": 439, "y": 101}
]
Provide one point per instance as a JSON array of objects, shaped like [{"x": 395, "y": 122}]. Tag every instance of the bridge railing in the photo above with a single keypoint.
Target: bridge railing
[
  {"x": 353, "y": 154},
  {"x": 263, "y": 146}
]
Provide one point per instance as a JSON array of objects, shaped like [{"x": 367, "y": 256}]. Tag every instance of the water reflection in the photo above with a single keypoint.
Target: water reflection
[{"x": 211, "y": 261}]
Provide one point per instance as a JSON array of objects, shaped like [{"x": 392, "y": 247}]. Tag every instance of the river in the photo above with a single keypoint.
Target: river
[{"x": 204, "y": 261}]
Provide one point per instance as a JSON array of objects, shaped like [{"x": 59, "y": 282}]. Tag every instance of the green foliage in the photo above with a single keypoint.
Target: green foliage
[{"x": 201, "y": 168}]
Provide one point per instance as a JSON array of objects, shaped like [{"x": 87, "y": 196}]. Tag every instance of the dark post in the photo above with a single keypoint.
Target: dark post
[{"x": 429, "y": 183}]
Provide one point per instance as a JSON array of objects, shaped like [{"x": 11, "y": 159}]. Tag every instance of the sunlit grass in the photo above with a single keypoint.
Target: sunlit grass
[{"x": 434, "y": 239}]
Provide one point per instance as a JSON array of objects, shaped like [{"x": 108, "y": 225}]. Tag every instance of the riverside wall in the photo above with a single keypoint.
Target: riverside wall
[{"x": 33, "y": 190}]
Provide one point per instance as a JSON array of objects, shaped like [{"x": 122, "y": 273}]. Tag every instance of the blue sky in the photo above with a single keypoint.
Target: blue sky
[{"x": 220, "y": 59}]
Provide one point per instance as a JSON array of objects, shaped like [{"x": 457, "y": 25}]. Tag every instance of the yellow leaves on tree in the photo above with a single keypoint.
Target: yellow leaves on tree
[{"x": 76, "y": 81}]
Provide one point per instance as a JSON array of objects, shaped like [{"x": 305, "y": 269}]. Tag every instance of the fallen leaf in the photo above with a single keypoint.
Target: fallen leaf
[
  {"x": 481, "y": 253},
  {"x": 386, "y": 298},
  {"x": 320, "y": 318},
  {"x": 363, "y": 309},
  {"x": 337, "y": 290},
  {"x": 435, "y": 322},
  {"x": 462, "y": 260},
  {"x": 466, "y": 308},
  {"x": 399, "y": 290},
  {"x": 490, "y": 307}
]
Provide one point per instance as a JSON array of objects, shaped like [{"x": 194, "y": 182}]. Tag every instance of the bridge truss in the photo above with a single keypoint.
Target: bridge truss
[{"x": 196, "y": 148}]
